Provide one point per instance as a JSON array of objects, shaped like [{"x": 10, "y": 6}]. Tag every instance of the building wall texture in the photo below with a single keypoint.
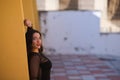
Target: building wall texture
[
  {"x": 13, "y": 59},
  {"x": 77, "y": 32}
]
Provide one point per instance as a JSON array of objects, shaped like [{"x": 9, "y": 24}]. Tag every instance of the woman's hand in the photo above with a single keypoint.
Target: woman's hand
[{"x": 27, "y": 23}]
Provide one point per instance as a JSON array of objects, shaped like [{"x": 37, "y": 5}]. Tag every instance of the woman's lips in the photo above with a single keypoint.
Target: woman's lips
[{"x": 38, "y": 44}]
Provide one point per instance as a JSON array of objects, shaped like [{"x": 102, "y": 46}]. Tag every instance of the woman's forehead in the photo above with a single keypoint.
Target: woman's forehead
[{"x": 36, "y": 34}]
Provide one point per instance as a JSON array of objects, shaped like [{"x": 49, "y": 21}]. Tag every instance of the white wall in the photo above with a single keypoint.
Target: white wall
[
  {"x": 46, "y": 5},
  {"x": 82, "y": 30}
]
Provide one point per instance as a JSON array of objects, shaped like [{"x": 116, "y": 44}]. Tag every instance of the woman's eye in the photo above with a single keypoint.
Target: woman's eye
[{"x": 36, "y": 38}]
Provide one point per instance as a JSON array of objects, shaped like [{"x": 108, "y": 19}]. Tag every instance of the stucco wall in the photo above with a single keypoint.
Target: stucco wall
[
  {"x": 77, "y": 32},
  {"x": 13, "y": 55}
]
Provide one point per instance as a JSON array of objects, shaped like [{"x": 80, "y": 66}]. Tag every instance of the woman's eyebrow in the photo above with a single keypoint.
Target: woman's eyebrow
[{"x": 36, "y": 37}]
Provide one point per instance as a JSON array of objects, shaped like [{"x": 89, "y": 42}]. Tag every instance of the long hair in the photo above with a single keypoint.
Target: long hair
[{"x": 29, "y": 38}]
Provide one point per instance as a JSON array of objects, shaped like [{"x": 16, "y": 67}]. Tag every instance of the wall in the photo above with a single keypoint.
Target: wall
[
  {"x": 55, "y": 5},
  {"x": 13, "y": 59},
  {"x": 77, "y": 32},
  {"x": 30, "y": 12},
  {"x": 107, "y": 25},
  {"x": 46, "y": 5}
]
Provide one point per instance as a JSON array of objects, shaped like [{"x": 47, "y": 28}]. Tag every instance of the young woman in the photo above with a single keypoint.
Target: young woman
[{"x": 39, "y": 65}]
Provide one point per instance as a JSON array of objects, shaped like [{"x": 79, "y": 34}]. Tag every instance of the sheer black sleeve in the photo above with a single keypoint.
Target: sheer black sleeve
[
  {"x": 34, "y": 67},
  {"x": 28, "y": 36},
  {"x": 29, "y": 29}
]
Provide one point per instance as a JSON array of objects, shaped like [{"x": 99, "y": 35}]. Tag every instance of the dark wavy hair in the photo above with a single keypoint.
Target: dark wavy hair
[{"x": 29, "y": 38}]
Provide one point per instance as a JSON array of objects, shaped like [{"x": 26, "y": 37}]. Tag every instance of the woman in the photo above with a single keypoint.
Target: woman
[{"x": 39, "y": 65}]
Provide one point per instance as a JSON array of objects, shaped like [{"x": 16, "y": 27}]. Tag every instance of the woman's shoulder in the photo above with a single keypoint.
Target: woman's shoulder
[{"x": 34, "y": 54}]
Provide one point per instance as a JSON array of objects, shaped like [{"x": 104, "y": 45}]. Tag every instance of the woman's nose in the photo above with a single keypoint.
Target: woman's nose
[{"x": 38, "y": 41}]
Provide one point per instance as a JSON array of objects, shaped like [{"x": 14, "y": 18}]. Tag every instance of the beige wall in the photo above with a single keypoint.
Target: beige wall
[
  {"x": 106, "y": 25},
  {"x": 46, "y": 5},
  {"x": 13, "y": 58},
  {"x": 53, "y": 5}
]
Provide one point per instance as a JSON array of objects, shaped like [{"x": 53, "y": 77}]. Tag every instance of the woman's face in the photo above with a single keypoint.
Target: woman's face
[{"x": 36, "y": 41}]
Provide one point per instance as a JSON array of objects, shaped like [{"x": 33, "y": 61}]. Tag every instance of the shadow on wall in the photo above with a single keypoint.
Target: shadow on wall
[{"x": 68, "y": 4}]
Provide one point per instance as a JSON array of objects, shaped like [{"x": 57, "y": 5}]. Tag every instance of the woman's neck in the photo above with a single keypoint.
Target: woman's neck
[{"x": 35, "y": 50}]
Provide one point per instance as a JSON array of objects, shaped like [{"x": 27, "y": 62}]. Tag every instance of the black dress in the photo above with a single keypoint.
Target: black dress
[{"x": 39, "y": 66}]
